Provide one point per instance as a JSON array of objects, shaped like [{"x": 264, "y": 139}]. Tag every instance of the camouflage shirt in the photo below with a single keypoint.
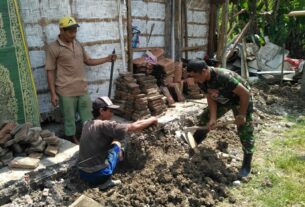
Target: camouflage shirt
[{"x": 221, "y": 85}]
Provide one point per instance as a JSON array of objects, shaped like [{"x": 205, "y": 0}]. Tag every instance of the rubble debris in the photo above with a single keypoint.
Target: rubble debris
[{"x": 25, "y": 141}]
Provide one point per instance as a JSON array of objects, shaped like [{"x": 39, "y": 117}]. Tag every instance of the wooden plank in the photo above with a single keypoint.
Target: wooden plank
[
  {"x": 241, "y": 34},
  {"x": 140, "y": 49},
  {"x": 129, "y": 36},
  {"x": 194, "y": 48}
]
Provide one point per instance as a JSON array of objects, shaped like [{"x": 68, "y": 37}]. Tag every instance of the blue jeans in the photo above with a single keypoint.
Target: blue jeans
[{"x": 102, "y": 175}]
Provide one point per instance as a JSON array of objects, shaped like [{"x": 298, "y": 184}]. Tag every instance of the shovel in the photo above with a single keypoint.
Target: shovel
[{"x": 187, "y": 133}]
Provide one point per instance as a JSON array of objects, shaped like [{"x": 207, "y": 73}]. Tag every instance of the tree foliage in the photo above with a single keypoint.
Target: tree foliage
[{"x": 271, "y": 19}]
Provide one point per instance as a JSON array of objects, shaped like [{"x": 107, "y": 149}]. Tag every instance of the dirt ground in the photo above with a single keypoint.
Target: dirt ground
[{"x": 159, "y": 170}]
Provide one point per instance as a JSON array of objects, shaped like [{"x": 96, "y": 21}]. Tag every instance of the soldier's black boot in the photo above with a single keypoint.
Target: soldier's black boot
[
  {"x": 246, "y": 167},
  {"x": 200, "y": 135}
]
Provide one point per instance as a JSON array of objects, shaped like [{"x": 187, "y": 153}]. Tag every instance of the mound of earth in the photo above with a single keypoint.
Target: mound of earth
[{"x": 158, "y": 170}]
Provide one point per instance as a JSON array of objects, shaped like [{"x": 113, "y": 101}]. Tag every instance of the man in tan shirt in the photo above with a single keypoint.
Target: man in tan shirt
[{"x": 65, "y": 60}]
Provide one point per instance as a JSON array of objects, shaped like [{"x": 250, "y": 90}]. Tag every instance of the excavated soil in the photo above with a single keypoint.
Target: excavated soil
[{"x": 158, "y": 170}]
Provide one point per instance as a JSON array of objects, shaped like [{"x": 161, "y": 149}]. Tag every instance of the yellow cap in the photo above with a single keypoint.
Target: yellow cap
[{"x": 66, "y": 22}]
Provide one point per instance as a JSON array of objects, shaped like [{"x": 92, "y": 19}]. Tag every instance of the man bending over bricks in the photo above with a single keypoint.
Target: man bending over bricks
[{"x": 100, "y": 148}]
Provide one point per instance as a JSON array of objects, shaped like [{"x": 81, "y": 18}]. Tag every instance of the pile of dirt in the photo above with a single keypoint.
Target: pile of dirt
[{"x": 159, "y": 171}]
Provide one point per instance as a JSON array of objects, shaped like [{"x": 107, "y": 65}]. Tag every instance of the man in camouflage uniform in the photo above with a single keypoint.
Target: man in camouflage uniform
[{"x": 225, "y": 90}]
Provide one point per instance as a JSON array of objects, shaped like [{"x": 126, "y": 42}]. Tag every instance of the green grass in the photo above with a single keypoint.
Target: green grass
[{"x": 284, "y": 168}]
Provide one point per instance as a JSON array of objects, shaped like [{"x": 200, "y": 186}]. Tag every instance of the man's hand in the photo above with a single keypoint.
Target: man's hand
[
  {"x": 211, "y": 124},
  {"x": 154, "y": 120},
  {"x": 111, "y": 58},
  {"x": 54, "y": 100},
  {"x": 240, "y": 120}
]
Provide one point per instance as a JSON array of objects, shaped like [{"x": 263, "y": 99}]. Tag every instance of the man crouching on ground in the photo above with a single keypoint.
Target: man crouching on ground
[{"x": 100, "y": 149}]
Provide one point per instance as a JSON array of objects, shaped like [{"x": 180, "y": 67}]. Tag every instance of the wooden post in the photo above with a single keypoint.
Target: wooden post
[
  {"x": 245, "y": 70},
  {"x": 222, "y": 38},
  {"x": 282, "y": 69},
  {"x": 178, "y": 41},
  {"x": 184, "y": 12},
  {"x": 129, "y": 37},
  {"x": 212, "y": 28},
  {"x": 225, "y": 19},
  {"x": 168, "y": 27}
]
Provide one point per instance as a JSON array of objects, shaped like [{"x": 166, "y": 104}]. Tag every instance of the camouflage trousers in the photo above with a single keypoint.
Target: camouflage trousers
[{"x": 245, "y": 132}]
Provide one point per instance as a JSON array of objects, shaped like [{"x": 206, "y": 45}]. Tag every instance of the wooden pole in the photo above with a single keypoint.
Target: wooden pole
[
  {"x": 178, "y": 40},
  {"x": 282, "y": 69},
  {"x": 184, "y": 5},
  {"x": 241, "y": 34},
  {"x": 212, "y": 28},
  {"x": 245, "y": 70},
  {"x": 129, "y": 36},
  {"x": 168, "y": 27},
  {"x": 121, "y": 32},
  {"x": 224, "y": 30}
]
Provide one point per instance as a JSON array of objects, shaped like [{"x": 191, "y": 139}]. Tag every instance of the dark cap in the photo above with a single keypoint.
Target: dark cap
[
  {"x": 103, "y": 102},
  {"x": 196, "y": 66}
]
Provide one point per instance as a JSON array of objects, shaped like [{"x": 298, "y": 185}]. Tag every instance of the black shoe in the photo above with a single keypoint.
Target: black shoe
[
  {"x": 200, "y": 135},
  {"x": 246, "y": 167}
]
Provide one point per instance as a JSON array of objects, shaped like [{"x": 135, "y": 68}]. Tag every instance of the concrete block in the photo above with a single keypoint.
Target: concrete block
[
  {"x": 40, "y": 78},
  {"x": 51, "y": 9},
  {"x": 95, "y": 9},
  {"x": 30, "y": 11},
  {"x": 200, "y": 17},
  {"x": 34, "y": 35},
  {"x": 158, "y": 28},
  {"x": 24, "y": 163},
  {"x": 51, "y": 150},
  {"x": 37, "y": 58},
  {"x": 51, "y": 32},
  {"x": 97, "y": 31},
  {"x": 156, "y": 10},
  {"x": 139, "y": 8},
  {"x": 45, "y": 103},
  {"x": 36, "y": 155},
  {"x": 84, "y": 201}
]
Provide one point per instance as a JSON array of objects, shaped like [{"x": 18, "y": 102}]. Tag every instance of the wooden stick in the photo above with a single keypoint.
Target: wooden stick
[
  {"x": 129, "y": 36},
  {"x": 242, "y": 33}
]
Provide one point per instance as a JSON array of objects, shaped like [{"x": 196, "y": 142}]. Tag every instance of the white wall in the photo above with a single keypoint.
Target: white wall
[{"x": 99, "y": 33}]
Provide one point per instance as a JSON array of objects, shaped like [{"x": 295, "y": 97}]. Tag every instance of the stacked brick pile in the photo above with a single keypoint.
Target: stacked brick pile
[
  {"x": 20, "y": 141},
  {"x": 156, "y": 101},
  {"x": 126, "y": 92},
  {"x": 169, "y": 75}
]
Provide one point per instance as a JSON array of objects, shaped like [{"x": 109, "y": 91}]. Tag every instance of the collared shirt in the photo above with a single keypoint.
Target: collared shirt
[
  {"x": 68, "y": 64},
  {"x": 96, "y": 139}
]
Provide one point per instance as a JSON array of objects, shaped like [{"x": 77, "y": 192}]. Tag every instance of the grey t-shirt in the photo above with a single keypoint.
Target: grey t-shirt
[{"x": 95, "y": 141}]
